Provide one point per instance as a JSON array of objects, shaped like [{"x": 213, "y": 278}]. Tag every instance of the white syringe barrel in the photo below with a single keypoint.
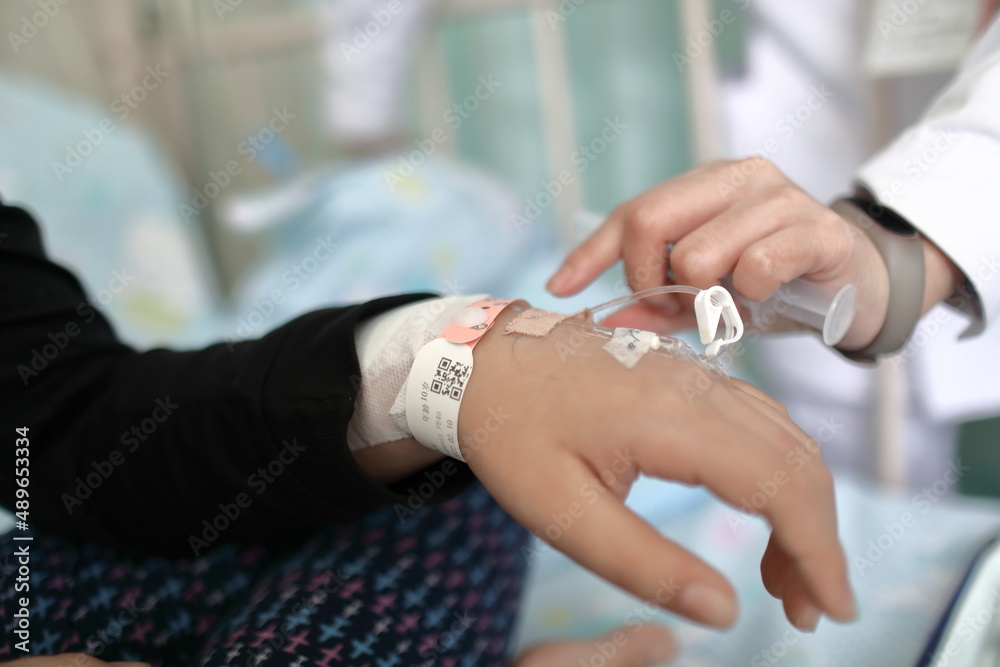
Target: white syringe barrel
[{"x": 828, "y": 310}]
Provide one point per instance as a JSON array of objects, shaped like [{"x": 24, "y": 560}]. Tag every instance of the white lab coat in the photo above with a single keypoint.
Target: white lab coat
[
  {"x": 943, "y": 175},
  {"x": 952, "y": 195}
]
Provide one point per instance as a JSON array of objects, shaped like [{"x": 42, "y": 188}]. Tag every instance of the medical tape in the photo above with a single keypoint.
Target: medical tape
[
  {"x": 539, "y": 323},
  {"x": 440, "y": 374},
  {"x": 628, "y": 346}
]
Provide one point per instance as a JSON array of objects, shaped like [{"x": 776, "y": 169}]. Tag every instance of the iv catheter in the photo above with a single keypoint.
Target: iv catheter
[{"x": 710, "y": 306}]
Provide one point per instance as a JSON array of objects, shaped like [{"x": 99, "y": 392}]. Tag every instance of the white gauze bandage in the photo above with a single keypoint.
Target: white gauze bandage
[{"x": 386, "y": 347}]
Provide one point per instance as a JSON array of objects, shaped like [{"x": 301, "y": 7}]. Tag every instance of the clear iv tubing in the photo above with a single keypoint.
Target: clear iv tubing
[
  {"x": 668, "y": 345},
  {"x": 733, "y": 332},
  {"x": 636, "y": 296},
  {"x": 731, "y": 318}
]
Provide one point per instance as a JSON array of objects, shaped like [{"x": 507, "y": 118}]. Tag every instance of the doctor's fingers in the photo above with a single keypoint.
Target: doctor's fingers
[
  {"x": 638, "y": 230},
  {"x": 820, "y": 248},
  {"x": 757, "y": 465},
  {"x": 712, "y": 216},
  {"x": 712, "y": 250}
]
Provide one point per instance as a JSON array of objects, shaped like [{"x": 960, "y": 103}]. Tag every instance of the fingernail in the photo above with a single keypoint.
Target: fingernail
[
  {"x": 808, "y": 619},
  {"x": 560, "y": 280},
  {"x": 707, "y": 605}
]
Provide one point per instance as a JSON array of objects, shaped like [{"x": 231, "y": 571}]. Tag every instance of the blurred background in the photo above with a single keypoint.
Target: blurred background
[
  {"x": 228, "y": 65},
  {"x": 214, "y": 168}
]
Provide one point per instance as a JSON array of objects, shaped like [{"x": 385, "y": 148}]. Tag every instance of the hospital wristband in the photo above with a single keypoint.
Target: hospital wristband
[{"x": 440, "y": 374}]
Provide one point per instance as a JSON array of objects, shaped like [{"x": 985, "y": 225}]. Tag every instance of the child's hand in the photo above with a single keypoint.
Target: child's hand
[
  {"x": 558, "y": 431},
  {"x": 744, "y": 219}
]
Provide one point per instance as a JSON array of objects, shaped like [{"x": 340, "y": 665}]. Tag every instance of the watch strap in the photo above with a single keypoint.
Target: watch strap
[{"x": 902, "y": 250}]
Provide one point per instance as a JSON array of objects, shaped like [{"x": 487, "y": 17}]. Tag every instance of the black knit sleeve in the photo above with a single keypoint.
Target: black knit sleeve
[{"x": 173, "y": 452}]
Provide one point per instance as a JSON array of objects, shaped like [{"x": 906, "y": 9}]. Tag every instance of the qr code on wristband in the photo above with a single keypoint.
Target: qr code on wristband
[{"x": 450, "y": 378}]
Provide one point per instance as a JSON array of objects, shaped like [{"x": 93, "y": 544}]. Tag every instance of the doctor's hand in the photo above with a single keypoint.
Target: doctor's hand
[
  {"x": 558, "y": 430},
  {"x": 741, "y": 218},
  {"x": 746, "y": 219}
]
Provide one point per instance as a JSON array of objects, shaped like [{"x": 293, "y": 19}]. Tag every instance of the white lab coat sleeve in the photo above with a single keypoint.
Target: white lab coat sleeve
[{"x": 943, "y": 175}]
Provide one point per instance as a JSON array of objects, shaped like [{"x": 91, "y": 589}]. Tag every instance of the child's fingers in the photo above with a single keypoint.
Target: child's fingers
[
  {"x": 783, "y": 581},
  {"x": 823, "y": 570},
  {"x": 805, "y": 525},
  {"x": 588, "y": 522},
  {"x": 798, "y": 603},
  {"x": 774, "y": 568},
  {"x": 777, "y": 567},
  {"x": 629, "y": 646},
  {"x": 754, "y": 456},
  {"x": 579, "y": 510}
]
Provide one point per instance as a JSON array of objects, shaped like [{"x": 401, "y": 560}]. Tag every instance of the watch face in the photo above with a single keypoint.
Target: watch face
[
  {"x": 885, "y": 217},
  {"x": 895, "y": 224}
]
